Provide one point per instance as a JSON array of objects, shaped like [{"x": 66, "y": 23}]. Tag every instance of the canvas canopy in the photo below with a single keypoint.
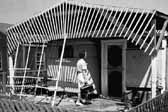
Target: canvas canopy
[{"x": 82, "y": 20}]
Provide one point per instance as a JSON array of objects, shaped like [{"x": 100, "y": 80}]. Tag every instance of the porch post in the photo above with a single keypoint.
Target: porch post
[
  {"x": 166, "y": 69},
  {"x": 154, "y": 65},
  {"x": 154, "y": 75},
  {"x": 11, "y": 74},
  {"x": 163, "y": 70},
  {"x": 59, "y": 69}
]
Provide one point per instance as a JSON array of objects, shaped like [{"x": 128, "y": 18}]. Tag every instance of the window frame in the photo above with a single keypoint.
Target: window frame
[
  {"x": 65, "y": 51},
  {"x": 37, "y": 59}
]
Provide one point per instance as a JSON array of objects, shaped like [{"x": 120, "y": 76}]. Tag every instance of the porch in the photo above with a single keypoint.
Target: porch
[
  {"x": 158, "y": 104},
  {"x": 70, "y": 20}
]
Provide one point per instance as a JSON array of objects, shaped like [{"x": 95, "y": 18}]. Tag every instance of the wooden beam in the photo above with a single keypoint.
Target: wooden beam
[
  {"x": 166, "y": 69},
  {"x": 154, "y": 75},
  {"x": 11, "y": 74},
  {"x": 59, "y": 70},
  {"x": 25, "y": 71},
  {"x": 33, "y": 45},
  {"x": 163, "y": 62},
  {"x": 161, "y": 35}
]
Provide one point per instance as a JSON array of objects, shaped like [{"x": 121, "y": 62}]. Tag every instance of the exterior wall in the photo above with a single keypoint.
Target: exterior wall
[
  {"x": 137, "y": 68},
  {"x": 52, "y": 53},
  {"x": 138, "y": 64},
  {"x": 78, "y": 46},
  {"x": 3, "y": 50}
]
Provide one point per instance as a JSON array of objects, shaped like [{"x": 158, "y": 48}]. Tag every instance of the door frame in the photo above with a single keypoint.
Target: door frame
[{"x": 104, "y": 72}]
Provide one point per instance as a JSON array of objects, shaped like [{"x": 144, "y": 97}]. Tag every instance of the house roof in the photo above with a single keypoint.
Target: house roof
[{"x": 73, "y": 19}]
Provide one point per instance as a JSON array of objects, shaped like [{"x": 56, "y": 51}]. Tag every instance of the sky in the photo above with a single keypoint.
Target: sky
[{"x": 15, "y": 11}]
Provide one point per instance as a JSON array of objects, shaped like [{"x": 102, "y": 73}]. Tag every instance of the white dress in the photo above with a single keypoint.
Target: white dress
[{"x": 81, "y": 69}]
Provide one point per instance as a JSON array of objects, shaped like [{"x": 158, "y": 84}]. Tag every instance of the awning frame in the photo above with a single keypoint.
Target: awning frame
[{"x": 86, "y": 20}]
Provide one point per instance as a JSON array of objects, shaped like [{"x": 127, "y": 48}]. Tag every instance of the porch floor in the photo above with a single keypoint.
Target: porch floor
[{"x": 97, "y": 105}]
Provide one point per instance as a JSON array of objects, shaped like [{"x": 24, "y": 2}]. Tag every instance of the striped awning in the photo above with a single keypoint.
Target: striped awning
[{"x": 83, "y": 20}]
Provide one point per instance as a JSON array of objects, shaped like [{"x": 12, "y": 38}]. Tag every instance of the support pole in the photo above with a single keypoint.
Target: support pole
[
  {"x": 166, "y": 69},
  {"x": 163, "y": 69},
  {"x": 161, "y": 35},
  {"x": 39, "y": 69},
  {"x": 58, "y": 75},
  {"x": 15, "y": 63},
  {"x": 25, "y": 70},
  {"x": 61, "y": 58},
  {"x": 154, "y": 75},
  {"x": 12, "y": 69},
  {"x": 11, "y": 74}
]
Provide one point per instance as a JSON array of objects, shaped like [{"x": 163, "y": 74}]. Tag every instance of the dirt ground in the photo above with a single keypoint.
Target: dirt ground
[{"x": 97, "y": 104}]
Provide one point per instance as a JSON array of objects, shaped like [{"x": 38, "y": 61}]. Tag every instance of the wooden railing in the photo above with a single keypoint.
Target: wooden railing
[
  {"x": 29, "y": 82},
  {"x": 157, "y": 104},
  {"x": 7, "y": 105},
  {"x": 67, "y": 80}
]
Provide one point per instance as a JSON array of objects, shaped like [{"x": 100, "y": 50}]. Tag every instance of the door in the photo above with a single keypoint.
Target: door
[{"x": 113, "y": 67}]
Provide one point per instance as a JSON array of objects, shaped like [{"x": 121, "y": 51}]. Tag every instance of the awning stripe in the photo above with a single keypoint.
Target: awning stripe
[
  {"x": 68, "y": 18},
  {"x": 60, "y": 20},
  {"x": 151, "y": 51},
  {"x": 84, "y": 29},
  {"x": 136, "y": 25},
  {"x": 32, "y": 31},
  {"x": 149, "y": 44},
  {"x": 12, "y": 43},
  {"x": 126, "y": 23},
  {"x": 33, "y": 23},
  {"x": 77, "y": 19},
  {"x": 70, "y": 23},
  {"x": 38, "y": 28},
  {"x": 12, "y": 34},
  {"x": 21, "y": 34},
  {"x": 80, "y": 21},
  {"x": 153, "y": 26},
  {"x": 101, "y": 14},
  {"x": 17, "y": 34},
  {"x": 145, "y": 28},
  {"x": 55, "y": 23},
  {"x": 112, "y": 22},
  {"x": 62, "y": 26},
  {"x": 105, "y": 16},
  {"x": 28, "y": 29},
  {"x": 9, "y": 44},
  {"x": 89, "y": 29},
  {"x": 45, "y": 24},
  {"x": 131, "y": 24},
  {"x": 107, "y": 21},
  {"x": 140, "y": 26},
  {"x": 24, "y": 28},
  {"x": 41, "y": 26},
  {"x": 83, "y": 22},
  {"x": 51, "y": 23},
  {"x": 120, "y": 12},
  {"x": 81, "y": 13},
  {"x": 48, "y": 25},
  {"x": 121, "y": 22}
]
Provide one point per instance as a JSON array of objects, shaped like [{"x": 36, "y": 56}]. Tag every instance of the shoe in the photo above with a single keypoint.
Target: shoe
[
  {"x": 79, "y": 104},
  {"x": 86, "y": 102}
]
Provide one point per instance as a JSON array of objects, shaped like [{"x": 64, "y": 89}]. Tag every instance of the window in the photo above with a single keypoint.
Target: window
[
  {"x": 0, "y": 61},
  {"x": 68, "y": 52},
  {"x": 37, "y": 59}
]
